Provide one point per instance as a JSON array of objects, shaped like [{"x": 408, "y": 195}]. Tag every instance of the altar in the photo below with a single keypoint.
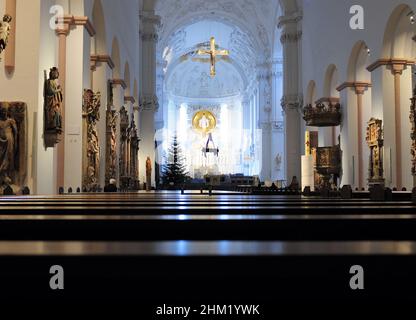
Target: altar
[{"x": 211, "y": 138}]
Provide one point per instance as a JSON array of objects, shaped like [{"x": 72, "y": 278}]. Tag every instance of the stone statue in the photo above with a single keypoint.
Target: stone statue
[
  {"x": 8, "y": 147},
  {"x": 13, "y": 145},
  {"x": 4, "y": 32},
  {"x": 111, "y": 142},
  {"x": 148, "y": 174},
  {"x": 53, "y": 102},
  {"x": 91, "y": 116}
]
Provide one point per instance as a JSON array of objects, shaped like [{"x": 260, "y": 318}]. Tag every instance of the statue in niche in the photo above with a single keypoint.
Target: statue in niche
[
  {"x": 13, "y": 145},
  {"x": 91, "y": 115},
  {"x": 8, "y": 146},
  {"x": 4, "y": 32}
]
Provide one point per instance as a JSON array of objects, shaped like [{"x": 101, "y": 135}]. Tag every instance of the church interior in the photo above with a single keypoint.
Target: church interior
[{"x": 188, "y": 152}]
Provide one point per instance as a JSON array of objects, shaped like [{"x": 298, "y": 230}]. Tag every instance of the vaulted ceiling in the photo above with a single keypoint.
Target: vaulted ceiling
[
  {"x": 256, "y": 19},
  {"x": 245, "y": 27}
]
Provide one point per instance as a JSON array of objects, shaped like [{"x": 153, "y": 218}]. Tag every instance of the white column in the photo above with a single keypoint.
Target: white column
[
  {"x": 265, "y": 109},
  {"x": 148, "y": 97},
  {"x": 292, "y": 100},
  {"x": 77, "y": 78}
]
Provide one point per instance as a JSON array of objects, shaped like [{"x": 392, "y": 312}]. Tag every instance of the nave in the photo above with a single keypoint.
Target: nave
[{"x": 196, "y": 249}]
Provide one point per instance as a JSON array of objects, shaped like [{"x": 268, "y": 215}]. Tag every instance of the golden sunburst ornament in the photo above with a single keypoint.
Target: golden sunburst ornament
[{"x": 204, "y": 121}]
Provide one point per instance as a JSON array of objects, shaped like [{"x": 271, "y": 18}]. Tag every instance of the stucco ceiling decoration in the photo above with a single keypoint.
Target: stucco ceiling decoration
[{"x": 253, "y": 23}]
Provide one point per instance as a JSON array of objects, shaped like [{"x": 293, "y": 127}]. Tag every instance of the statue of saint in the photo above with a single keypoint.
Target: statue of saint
[
  {"x": 53, "y": 102},
  {"x": 93, "y": 153},
  {"x": 8, "y": 147},
  {"x": 148, "y": 174},
  {"x": 148, "y": 167},
  {"x": 4, "y": 32}
]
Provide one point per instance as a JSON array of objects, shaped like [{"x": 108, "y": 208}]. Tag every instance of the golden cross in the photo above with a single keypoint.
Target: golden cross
[{"x": 213, "y": 53}]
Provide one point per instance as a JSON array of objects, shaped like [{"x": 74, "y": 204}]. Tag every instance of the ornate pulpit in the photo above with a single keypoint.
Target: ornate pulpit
[
  {"x": 324, "y": 114},
  {"x": 375, "y": 141},
  {"x": 328, "y": 164}
]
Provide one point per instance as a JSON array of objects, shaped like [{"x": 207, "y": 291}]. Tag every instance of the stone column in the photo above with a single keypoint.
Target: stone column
[
  {"x": 264, "y": 79},
  {"x": 73, "y": 65},
  {"x": 356, "y": 124},
  {"x": 62, "y": 34},
  {"x": 292, "y": 97},
  {"x": 148, "y": 97}
]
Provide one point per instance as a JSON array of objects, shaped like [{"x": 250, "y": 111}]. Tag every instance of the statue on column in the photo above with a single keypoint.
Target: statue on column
[
  {"x": 91, "y": 163},
  {"x": 53, "y": 108},
  {"x": 4, "y": 32},
  {"x": 148, "y": 174}
]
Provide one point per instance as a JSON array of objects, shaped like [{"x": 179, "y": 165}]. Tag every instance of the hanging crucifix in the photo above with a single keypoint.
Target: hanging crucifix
[{"x": 213, "y": 53}]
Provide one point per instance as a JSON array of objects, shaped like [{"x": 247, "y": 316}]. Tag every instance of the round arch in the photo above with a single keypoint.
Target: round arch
[
  {"x": 397, "y": 42},
  {"x": 331, "y": 82},
  {"x": 98, "y": 18},
  {"x": 311, "y": 93},
  {"x": 115, "y": 56},
  {"x": 127, "y": 79}
]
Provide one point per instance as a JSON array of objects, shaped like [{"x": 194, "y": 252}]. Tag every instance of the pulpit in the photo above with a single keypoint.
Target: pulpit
[
  {"x": 328, "y": 164},
  {"x": 324, "y": 114}
]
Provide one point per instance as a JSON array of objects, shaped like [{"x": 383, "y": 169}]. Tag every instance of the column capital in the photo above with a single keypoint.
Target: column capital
[
  {"x": 101, "y": 58},
  {"x": 359, "y": 86},
  {"x": 149, "y": 22},
  {"x": 292, "y": 102},
  {"x": 397, "y": 65},
  {"x": 63, "y": 31},
  {"x": 149, "y": 17},
  {"x": 129, "y": 99},
  {"x": 291, "y": 37},
  {"x": 119, "y": 82},
  {"x": 292, "y": 18},
  {"x": 68, "y": 21}
]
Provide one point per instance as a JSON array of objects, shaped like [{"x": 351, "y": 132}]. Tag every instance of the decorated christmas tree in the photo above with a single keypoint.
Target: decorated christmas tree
[{"x": 174, "y": 172}]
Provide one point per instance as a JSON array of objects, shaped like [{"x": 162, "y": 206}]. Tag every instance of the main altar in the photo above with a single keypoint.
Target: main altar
[{"x": 211, "y": 138}]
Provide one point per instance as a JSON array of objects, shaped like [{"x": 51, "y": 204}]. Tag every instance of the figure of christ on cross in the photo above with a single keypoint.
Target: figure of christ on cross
[{"x": 213, "y": 53}]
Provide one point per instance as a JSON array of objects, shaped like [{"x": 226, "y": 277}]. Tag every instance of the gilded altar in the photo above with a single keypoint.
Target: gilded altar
[{"x": 375, "y": 141}]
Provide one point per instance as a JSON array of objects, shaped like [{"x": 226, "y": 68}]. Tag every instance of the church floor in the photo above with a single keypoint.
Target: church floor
[{"x": 151, "y": 249}]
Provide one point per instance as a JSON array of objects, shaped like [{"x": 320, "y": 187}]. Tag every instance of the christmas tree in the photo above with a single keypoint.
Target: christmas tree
[{"x": 174, "y": 172}]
